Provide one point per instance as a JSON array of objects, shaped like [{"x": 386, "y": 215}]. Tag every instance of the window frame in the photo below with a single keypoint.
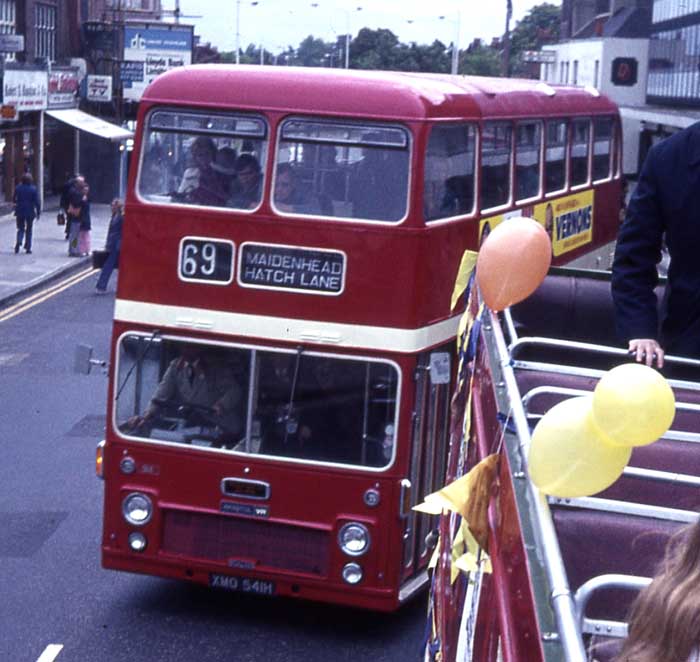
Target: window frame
[
  {"x": 540, "y": 163},
  {"x": 475, "y": 185},
  {"x": 511, "y": 165},
  {"x": 587, "y": 183},
  {"x": 250, "y": 394},
  {"x": 566, "y": 121},
  {"x": 368, "y": 124},
  {"x": 265, "y": 137}
]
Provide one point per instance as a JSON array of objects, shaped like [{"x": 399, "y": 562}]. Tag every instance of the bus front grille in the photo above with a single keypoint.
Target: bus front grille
[{"x": 226, "y": 539}]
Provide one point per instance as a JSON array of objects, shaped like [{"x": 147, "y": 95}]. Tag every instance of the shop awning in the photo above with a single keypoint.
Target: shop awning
[{"x": 90, "y": 123}]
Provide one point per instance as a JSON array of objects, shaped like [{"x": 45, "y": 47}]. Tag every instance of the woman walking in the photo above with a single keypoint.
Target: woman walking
[{"x": 27, "y": 208}]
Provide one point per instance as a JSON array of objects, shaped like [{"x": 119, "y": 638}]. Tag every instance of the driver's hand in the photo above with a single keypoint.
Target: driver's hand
[{"x": 647, "y": 350}]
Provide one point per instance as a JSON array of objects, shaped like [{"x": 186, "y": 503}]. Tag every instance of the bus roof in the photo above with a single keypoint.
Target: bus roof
[{"x": 378, "y": 94}]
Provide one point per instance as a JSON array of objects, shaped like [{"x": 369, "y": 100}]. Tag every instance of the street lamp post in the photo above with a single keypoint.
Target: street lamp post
[
  {"x": 455, "y": 44},
  {"x": 347, "y": 31},
  {"x": 238, "y": 28},
  {"x": 454, "y": 67}
]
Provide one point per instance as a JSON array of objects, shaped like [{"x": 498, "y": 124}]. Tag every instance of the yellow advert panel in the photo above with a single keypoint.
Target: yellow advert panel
[{"x": 568, "y": 221}]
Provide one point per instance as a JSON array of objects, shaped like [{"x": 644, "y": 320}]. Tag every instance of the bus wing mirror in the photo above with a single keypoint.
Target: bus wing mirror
[{"x": 83, "y": 360}]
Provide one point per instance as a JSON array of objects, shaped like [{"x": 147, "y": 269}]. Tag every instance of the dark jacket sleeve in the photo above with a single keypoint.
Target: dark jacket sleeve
[{"x": 638, "y": 251}]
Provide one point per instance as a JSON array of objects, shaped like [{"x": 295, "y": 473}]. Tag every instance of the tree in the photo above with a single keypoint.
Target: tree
[
  {"x": 538, "y": 27},
  {"x": 480, "y": 60}
]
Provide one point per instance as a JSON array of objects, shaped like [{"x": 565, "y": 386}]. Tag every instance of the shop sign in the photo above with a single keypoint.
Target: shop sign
[
  {"x": 543, "y": 57},
  {"x": 11, "y": 43},
  {"x": 8, "y": 113},
  {"x": 99, "y": 88},
  {"x": 63, "y": 87},
  {"x": 150, "y": 51},
  {"x": 25, "y": 89}
]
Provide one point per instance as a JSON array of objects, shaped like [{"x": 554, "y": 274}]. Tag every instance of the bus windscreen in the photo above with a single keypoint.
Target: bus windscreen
[{"x": 303, "y": 406}]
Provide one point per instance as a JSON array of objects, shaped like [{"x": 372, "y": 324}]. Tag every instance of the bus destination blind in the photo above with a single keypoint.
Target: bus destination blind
[{"x": 309, "y": 270}]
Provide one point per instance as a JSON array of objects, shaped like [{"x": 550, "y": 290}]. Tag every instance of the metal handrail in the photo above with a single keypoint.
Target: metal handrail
[
  {"x": 594, "y": 348},
  {"x": 586, "y": 591},
  {"x": 561, "y": 599}
]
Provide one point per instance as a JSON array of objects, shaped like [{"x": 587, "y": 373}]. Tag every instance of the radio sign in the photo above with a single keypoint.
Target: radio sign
[{"x": 311, "y": 270}]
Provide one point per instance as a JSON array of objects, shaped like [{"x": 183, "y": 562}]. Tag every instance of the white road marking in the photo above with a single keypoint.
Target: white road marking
[{"x": 50, "y": 653}]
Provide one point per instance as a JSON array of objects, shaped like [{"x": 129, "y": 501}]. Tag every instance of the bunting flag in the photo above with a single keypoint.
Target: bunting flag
[
  {"x": 462, "y": 504},
  {"x": 464, "y": 273}
]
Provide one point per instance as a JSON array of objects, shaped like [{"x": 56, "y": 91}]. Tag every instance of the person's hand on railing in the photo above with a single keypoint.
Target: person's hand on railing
[{"x": 647, "y": 350}]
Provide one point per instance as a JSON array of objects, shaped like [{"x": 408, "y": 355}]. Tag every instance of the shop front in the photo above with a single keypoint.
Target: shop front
[{"x": 24, "y": 97}]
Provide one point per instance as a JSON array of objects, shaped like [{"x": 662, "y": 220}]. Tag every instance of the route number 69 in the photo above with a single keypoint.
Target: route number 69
[{"x": 206, "y": 260}]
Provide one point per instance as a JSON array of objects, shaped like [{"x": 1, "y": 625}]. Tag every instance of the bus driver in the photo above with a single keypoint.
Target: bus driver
[{"x": 205, "y": 388}]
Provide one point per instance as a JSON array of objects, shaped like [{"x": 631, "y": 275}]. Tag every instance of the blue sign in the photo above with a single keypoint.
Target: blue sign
[
  {"x": 131, "y": 72},
  {"x": 157, "y": 39}
]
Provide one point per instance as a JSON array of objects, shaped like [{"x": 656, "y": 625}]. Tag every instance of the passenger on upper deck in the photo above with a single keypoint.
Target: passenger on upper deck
[
  {"x": 292, "y": 196},
  {"x": 200, "y": 183},
  {"x": 664, "y": 624},
  {"x": 247, "y": 195},
  {"x": 379, "y": 186},
  {"x": 664, "y": 204}
]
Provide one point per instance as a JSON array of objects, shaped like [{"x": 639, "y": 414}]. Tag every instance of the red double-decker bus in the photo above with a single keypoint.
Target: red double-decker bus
[{"x": 282, "y": 353}]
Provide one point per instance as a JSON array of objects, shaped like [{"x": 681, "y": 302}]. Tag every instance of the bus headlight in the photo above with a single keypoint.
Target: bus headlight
[
  {"x": 353, "y": 539},
  {"x": 137, "y": 541},
  {"x": 352, "y": 573},
  {"x": 137, "y": 508}
]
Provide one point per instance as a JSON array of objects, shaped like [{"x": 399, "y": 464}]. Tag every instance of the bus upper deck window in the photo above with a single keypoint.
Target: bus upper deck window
[
  {"x": 448, "y": 187},
  {"x": 195, "y": 158},
  {"x": 602, "y": 148},
  {"x": 581, "y": 130},
  {"x": 342, "y": 170},
  {"x": 527, "y": 160},
  {"x": 496, "y": 160},
  {"x": 555, "y": 156}
]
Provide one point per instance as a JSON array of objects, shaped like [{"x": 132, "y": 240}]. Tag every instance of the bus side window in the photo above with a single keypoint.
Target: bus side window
[
  {"x": 581, "y": 131},
  {"x": 448, "y": 187},
  {"x": 527, "y": 160},
  {"x": 496, "y": 158},
  {"x": 602, "y": 148},
  {"x": 378, "y": 188},
  {"x": 555, "y": 156}
]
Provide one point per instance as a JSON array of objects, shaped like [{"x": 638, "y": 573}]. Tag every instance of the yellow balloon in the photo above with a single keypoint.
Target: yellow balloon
[
  {"x": 568, "y": 458},
  {"x": 633, "y": 405}
]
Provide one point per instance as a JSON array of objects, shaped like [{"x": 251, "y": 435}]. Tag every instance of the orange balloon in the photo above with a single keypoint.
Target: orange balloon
[{"x": 513, "y": 261}]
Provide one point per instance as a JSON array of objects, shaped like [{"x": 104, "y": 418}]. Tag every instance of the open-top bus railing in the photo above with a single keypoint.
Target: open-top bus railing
[{"x": 570, "y": 609}]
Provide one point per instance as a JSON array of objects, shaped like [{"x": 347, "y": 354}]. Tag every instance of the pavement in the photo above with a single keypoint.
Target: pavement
[{"x": 23, "y": 273}]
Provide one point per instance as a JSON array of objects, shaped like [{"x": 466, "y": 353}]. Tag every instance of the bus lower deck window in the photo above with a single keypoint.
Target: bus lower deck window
[{"x": 307, "y": 407}]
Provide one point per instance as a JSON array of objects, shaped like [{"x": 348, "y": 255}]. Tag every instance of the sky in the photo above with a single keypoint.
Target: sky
[{"x": 277, "y": 24}]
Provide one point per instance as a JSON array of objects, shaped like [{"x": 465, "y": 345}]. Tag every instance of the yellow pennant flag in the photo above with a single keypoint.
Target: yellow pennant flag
[
  {"x": 466, "y": 266},
  {"x": 469, "y": 496}
]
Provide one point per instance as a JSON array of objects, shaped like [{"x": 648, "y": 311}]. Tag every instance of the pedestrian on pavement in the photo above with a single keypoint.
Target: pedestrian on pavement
[
  {"x": 664, "y": 205},
  {"x": 69, "y": 189},
  {"x": 113, "y": 246},
  {"x": 27, "y": 208},
  {"x": 78, "y": 212},
  {"x": 85, "y": 224}
]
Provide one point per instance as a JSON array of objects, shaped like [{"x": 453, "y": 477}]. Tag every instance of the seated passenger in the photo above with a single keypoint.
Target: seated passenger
[
  {"x": 200, "y": 183},
  {"x": 379, "y": 186},
  {"x": 224, "y": 165},
  {"x": 201, "y": 389},
  {"x": 289, "y": 196},
  {"x": 249, "y": 189}
]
